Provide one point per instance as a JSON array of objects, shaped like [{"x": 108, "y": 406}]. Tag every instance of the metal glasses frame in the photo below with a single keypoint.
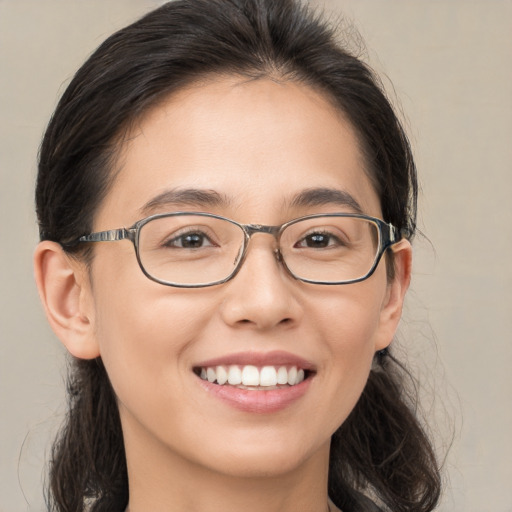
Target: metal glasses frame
[{"x": 388, "y": 236}]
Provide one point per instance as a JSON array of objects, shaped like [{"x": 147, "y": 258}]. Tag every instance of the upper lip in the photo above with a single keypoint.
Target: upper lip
[{"x": 260, "y": 359}]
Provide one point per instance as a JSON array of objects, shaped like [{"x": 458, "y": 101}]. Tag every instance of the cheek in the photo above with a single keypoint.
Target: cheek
[
  {"x": 350, "y": 314},
  {"x": 145, "y": 346},
  {"x": 143, "y": 328},
  {"x": 348, "y": 321},
  {"x": 146, "y": 331}
]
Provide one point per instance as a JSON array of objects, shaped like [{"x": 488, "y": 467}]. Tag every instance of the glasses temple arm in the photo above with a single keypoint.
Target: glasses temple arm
[
  {"x": 393, "y": 235},
  {"x": 111, "y": 235}
]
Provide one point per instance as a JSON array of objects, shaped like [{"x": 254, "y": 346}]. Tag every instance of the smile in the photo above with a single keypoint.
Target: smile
[
  {"x": 253, "y": 377},
  {"x": 256, "y": 382}
]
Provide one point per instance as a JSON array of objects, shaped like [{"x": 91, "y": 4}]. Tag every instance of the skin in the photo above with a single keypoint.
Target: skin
[{"x": 258, "y": 144}]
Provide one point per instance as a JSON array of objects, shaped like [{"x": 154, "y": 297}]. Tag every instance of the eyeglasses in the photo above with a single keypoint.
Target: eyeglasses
[{"x": 192, "y": 250}]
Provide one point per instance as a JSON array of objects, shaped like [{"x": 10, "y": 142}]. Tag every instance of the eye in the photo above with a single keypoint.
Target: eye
[
  {"x": 319, "y": 240},
  {"x": 189, "y": 240}
]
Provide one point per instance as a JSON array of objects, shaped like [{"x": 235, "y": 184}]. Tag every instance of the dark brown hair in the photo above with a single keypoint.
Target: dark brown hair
[{"x": 381, "y": 450}]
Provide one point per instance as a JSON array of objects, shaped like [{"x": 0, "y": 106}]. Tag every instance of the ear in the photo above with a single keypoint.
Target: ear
[
  {"x": 391, "y": 311},
  {"x": 64, "y": 289}
]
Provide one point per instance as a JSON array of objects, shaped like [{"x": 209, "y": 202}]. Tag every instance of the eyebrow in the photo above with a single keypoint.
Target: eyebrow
[
  {"x": 191, "y": 197},
  {"x": 204, "y": 199},
  {"x": 326, "y": 196}
]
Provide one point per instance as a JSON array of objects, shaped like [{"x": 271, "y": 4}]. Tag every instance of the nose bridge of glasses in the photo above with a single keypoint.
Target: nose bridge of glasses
[
  {"x": 253, "y": 229},
  {"x": 260, "y": 228}
]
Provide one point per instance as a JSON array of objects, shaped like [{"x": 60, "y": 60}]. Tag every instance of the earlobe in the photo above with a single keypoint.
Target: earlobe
[
  {"x": 64, "y": 290},
  {"x": 393, "y": 303}
]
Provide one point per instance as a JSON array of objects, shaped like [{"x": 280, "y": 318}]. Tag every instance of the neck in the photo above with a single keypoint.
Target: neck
[{"x": 163, "y": 481}]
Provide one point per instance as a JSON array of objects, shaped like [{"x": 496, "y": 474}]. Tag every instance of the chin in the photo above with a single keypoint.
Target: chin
[{"x": 264, "y": 460}]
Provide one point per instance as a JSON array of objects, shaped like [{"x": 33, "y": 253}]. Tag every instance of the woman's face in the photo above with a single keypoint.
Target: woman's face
[{"x": 257, "y": 145}]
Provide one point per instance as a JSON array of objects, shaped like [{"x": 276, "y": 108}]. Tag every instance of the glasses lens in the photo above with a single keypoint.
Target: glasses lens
[
  {"x": 190, "y": 250},
  {"x": 330, "y": 249}
]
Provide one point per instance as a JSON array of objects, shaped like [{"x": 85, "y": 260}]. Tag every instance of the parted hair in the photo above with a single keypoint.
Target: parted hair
[{"x": 381, "y": 451}]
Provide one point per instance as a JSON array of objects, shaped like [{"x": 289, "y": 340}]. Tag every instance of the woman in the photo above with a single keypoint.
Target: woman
[{"x": 225, "y": 200}]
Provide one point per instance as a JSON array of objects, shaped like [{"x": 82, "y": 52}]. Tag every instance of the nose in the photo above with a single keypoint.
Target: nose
[{"x": 262, "y": 295}]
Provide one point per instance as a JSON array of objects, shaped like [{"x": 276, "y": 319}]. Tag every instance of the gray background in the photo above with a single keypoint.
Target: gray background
[{"x": 450, "y": 63}]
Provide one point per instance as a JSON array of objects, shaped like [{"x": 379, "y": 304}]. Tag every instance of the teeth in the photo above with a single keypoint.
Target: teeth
[
  {"x": 282, "y": 375},
  {"x": 268, "y": 376},
  {"x": 234, "y": 375},
  {"x": 292, "y": 376},
  {"x": 249, "y": 375},
  {"x": 222, "y": 375},
  {"x": 211, "y": 375}
]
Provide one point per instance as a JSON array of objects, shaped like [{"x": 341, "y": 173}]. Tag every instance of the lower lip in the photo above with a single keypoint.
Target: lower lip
[{"x": 257, "y": 401}]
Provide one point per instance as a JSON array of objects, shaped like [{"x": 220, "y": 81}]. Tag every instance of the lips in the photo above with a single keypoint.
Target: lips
[{"x": 256, "y": 382}]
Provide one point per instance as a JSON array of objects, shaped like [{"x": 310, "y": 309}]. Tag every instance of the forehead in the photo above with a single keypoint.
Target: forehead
[{"x": 257, "y": 144}]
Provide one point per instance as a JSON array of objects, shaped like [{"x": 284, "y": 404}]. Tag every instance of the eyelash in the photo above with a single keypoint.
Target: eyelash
[
  {"x": 170, "y": 242},
  {"x": 331, "y": 238}
]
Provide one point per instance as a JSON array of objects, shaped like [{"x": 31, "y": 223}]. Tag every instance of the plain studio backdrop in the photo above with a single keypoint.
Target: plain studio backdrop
[{"x": 450, "y": 69}]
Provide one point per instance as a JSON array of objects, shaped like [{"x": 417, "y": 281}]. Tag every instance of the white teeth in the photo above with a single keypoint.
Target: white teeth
[
  {"x": 252, "y": 376},
  {"x": 282, "y": 375},
  {"x": 234, "y": 375},
  {"x": 222, "y": 375},
  {"x": 268, "y": 376},
  {"x": 292, "y": 376},
  {"x": 210, "y": 375}
]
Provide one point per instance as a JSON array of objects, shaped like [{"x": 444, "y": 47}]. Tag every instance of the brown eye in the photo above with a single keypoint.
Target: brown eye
[
  {"x": 192, "y": 240},
  {"x": 319, "y": 240}
]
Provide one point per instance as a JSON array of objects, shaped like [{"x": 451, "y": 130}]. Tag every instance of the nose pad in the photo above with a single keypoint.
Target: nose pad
[
  {"x": 243, "y": 256},
  {"x": 261, "y": 295}
]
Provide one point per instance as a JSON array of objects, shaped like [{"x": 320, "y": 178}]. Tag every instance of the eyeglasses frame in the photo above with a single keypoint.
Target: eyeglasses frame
[{"x": 389, "y": 235}]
